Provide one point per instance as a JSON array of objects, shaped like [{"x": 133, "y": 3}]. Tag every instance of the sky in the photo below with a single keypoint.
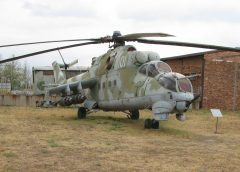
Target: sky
[{"x": 210, "y": 22}]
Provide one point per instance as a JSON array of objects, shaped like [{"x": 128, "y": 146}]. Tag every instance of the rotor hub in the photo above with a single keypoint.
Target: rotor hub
[
  {"x": 116, "y": 34},
  {"x": 117, "y": 39}
]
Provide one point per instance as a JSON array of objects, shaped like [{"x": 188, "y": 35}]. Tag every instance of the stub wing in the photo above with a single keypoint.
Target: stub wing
[{"x": 72, "y": 88}]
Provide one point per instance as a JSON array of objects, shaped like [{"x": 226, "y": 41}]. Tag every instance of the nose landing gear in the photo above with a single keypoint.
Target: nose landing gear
[
  {"x": 180, "y": 117},
  {"x": 151, "y": 123}
]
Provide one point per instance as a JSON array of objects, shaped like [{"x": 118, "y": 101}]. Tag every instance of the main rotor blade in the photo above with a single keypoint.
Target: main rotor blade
[
  {"x": 46, "y": 51},
  {"x": 140, "y": 35},
  {"x": 45, "y": 42},
  {"x": 187, "y": 44}
]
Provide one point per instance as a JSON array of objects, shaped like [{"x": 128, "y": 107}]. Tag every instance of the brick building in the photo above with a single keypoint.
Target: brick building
[{"x": 217, "y": 77}]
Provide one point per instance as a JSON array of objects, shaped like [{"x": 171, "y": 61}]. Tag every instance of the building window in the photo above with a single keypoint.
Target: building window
[
  {"x": 115, "y": 82},
  {"x": 103, "y": 85},
  {"x": 109, "y": 84}
]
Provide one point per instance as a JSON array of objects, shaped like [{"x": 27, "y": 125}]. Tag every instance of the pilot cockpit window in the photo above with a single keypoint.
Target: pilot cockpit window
[
  {"x": 157, "y": 67},
  {"x": 154, "y": 68},
  {"x": 168, "y": 82},
  {"x": 184, "y": 85},
  {"x": 143, "y": 69},
  {"x": 163, "y": 67}
]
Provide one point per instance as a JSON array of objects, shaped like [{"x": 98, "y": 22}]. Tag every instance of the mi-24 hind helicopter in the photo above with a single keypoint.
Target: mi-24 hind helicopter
[{"x": 124, "y": 79}]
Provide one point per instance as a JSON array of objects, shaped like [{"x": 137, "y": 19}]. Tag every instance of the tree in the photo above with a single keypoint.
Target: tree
[
  {"x": 18, "y": 75},
  {"x": 26, "y": 76},
  {"x": 11, "y": 72}
]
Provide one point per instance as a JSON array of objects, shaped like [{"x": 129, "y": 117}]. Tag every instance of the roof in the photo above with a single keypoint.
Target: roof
[
  {"x": 72, "y": 68},
  {"x": 192, "y": 55}
]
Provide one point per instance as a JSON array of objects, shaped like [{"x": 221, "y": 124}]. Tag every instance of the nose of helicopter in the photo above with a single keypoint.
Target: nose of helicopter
[{"x": 183, "y": 101}]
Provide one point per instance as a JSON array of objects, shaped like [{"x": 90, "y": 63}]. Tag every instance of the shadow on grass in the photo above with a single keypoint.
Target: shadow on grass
[{"x": 123, "y": 123}]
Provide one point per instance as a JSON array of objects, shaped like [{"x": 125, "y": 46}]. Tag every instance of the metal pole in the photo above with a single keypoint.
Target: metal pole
[{"x": 216, "y": 125}]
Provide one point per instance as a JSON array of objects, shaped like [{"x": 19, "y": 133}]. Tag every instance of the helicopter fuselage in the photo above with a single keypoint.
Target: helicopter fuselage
[{"x": 128, "y": 80}]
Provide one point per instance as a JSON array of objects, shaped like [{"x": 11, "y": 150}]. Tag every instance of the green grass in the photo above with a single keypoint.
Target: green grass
[
  {"x": 116, "y": 125},
  {"x": 9, "y": 154}
]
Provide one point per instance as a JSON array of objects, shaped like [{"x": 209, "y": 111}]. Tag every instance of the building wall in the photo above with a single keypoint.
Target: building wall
[
  {"x": 223, "y": 55},
  {"x": 22, "y": 100},
  {"x": 41, "y": 78},
  {"x": 221, "y": 81}
]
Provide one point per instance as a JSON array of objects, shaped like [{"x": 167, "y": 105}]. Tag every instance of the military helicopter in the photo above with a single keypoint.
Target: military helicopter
[{"x": 124, "y": 79}]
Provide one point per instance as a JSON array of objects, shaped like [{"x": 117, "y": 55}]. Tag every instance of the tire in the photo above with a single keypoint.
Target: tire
[
  {"x": 155, "y": 124},
  {"x": 81, "y": 113},
  {"x": 148, "y": 123},
  {"x": 134, "y": 115}
]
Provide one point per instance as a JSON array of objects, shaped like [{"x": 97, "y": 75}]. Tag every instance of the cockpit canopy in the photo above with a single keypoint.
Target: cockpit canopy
[
  {"x": 154, "y": 68},
  {"x": 162, "y": 72},
  {"x": 175, "y": 82}
]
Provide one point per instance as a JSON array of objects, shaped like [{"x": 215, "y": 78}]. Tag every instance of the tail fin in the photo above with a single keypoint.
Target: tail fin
[{"x": 59, "y": 76}]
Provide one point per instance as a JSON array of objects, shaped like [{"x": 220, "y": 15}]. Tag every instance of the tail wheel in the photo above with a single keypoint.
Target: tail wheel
[
  {"x": 82, "y": 113},
  {"x": 134, "y": 115}
]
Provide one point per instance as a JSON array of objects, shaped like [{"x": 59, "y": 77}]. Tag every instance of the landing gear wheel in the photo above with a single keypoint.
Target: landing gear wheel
[
  {"x": 81, "y": 113},
  {"x": 155, "y": 124},
  {"x": 134, "y": 115},
  {"x": 148, "y": 123}
]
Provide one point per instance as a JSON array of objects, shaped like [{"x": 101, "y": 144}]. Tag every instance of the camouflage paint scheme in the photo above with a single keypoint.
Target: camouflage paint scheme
[{"x": 123, "y": 82}]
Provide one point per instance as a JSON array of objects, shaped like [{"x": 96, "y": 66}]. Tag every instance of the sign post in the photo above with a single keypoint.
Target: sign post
[{"x": 216, "y": 113}]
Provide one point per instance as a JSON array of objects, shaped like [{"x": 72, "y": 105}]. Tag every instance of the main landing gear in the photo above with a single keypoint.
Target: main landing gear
[
  {"x": 151, "y": 123},
  {"x": 134, "y": 115},
  {"x": 82, "y": 112}
]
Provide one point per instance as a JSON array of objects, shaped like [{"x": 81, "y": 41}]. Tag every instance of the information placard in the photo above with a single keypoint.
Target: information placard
[{"x": 216, "y": 113}]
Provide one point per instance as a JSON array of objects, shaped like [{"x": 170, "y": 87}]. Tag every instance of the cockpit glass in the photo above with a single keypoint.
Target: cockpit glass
[
  {"x": 163, "y": 67},
  {"x": 154, "y": 68},
  {"x": 143, "y": 69},
  {"x": 184, "y": 85},
  {"x": 168, "y": 83}
]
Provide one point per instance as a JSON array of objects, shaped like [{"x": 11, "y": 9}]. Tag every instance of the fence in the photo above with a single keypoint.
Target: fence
[{"x": 19, "y": 100}]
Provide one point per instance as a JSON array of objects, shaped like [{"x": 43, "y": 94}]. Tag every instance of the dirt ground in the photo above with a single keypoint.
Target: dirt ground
[{"x": 36, "y": 139}]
